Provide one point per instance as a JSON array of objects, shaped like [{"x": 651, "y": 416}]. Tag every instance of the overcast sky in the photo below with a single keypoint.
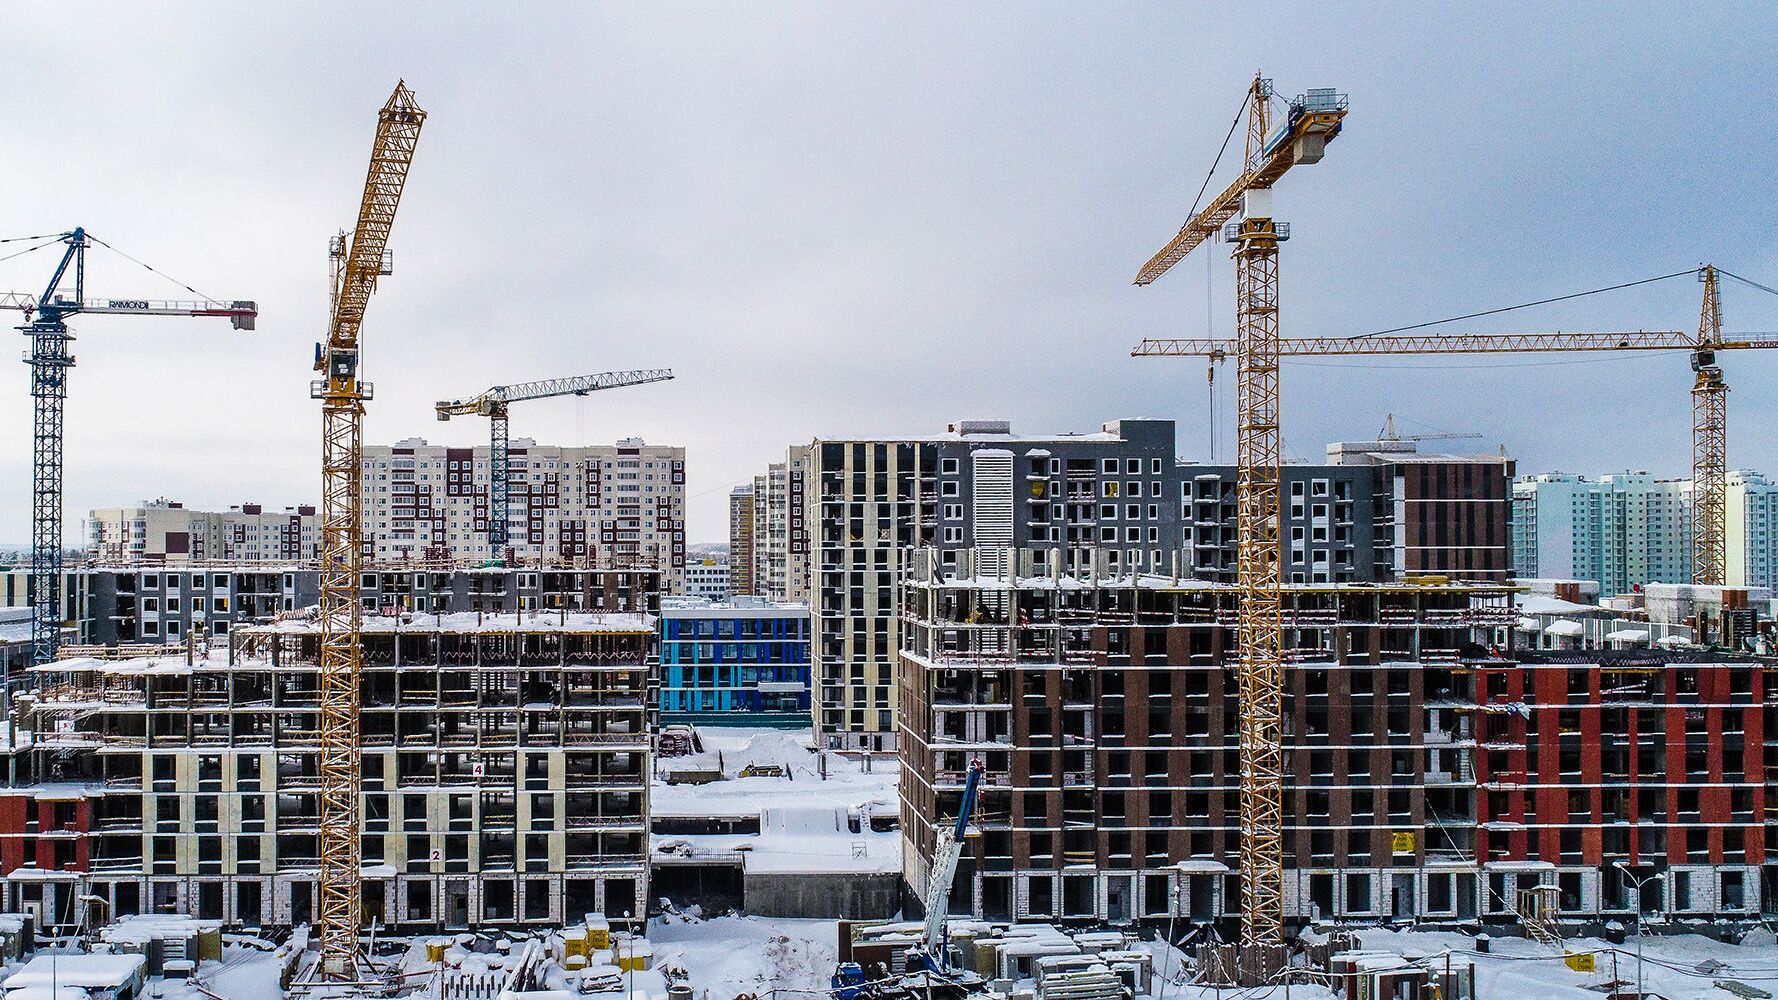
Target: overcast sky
[{"x": 856, "y": 219}]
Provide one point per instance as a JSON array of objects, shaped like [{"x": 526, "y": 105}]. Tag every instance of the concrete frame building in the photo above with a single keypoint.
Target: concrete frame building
[
  {"x": 165, "y": 532},
  {"x": 619, "y": 505},
  {"x": 976, "y": 484},
  {"x": 1381, "y": 512},
  {"x": 1591, "y": 757},
  {"x": 1103, "y": 706},
  {"x": 1430, "y": 776},
  {"x": 161, "y": 606},
  {"x": 507, "y": 760},
  {"x": 155, "y": 605},
  {"x": 1436, "y": 515}
]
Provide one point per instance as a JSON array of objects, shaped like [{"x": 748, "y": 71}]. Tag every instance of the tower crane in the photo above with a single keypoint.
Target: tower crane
[
  {"x": 46, "y": 323},
  {"x": 1311, "y": 121},
  {"x": 1709, "y": 391},
  {"x": 1389, "y": 433},
  {"x": 356, "y": 266},
  {"x": 493, "y": 403}
]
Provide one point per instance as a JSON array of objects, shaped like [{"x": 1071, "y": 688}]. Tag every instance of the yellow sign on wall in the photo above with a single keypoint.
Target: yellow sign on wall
[{"x": 1404, "y": 843}]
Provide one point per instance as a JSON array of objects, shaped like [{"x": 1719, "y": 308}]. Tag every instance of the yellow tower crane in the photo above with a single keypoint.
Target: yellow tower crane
[
  {"x": 1312, "y": 120},
  {"x": 1710, "y": 444},
  {"x": 1709, "y": 392},
  {"x": 356, "y": 266}
]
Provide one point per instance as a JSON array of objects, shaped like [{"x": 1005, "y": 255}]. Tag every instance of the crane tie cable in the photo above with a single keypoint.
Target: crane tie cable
[
  {"x": 52, "y": 241},
  {"x": 153, "y": 270},
  {"x": 1745, "y": 281},
  {"x": 1539, "y": 302},
  {"x": 1213, "y": 164}
]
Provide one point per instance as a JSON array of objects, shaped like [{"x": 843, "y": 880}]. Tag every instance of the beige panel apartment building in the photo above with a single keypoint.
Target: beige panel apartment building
[
  {"x": 740, "y": 540},
  {"x": 166, "y": 532},
  {"x": 598, "y": 505}
]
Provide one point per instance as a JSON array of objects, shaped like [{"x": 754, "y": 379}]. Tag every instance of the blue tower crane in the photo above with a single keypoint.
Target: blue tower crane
[{"x": 46, "y": 324}]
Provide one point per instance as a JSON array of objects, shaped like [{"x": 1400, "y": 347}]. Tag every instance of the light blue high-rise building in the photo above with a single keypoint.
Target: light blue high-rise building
[{"x": 1622, "y": 530}]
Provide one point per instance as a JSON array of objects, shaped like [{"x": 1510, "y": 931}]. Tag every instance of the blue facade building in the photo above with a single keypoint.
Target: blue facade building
[{"x": 742, "y": 662}]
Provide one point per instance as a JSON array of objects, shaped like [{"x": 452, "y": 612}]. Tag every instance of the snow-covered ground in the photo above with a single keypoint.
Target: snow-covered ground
[
  {"x": 803, "y": 817},
  {"x": 1677, "y": 966},
  {"x": 730, "y": 955}
]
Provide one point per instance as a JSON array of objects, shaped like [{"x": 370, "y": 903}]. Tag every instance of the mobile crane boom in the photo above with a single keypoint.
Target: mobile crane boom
[{"x": 946, "y": 855}]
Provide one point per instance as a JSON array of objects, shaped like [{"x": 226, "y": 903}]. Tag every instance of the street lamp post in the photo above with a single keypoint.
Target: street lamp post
[{"x": 1638, "y": 883}]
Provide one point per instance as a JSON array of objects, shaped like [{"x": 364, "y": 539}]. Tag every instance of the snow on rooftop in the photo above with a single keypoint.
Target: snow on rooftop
[
  {"x": 1538, "y": 604},
  {"x": 474, "y": 621},
  {"x": 804, "y": 820},
  {"x": 93, "y": 972},
  {"x": 32, "y": 873},
  {"x": 1162, "y": 581},
  {"x": 736, "y": 606},
  {"x": 145, "y": 927}
]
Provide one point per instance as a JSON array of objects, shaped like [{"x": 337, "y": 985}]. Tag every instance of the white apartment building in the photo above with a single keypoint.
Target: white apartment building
[
  {"x": 593, "y": 506},
  {"x": 780, "y": 539},
  {"x": 1752, "y": 514},
  {"x": 165, "y": 532},
  {"x": 707, "y": 577},
  {"x": 1621, "y": 531}
]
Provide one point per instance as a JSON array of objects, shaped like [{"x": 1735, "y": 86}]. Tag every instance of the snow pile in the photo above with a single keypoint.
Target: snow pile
[{"x": 732, "y": 955}]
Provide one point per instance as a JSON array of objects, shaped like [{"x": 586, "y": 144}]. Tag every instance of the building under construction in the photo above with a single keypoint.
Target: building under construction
[
  {"x": 1431, "y": 773},
  {"x": 505, "y": 773}
]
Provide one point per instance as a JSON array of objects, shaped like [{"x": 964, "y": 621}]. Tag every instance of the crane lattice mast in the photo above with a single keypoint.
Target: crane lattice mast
[
  {"x": 356, "y": 269},
  {"x": 1710, "y": 444},
  {"x": 1312, "y": 120},
  {"x": 493, "y": 405},
  {"x": 46, "y": 324}
]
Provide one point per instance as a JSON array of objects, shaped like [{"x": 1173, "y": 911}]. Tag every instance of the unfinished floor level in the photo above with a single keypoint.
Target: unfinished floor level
[
  {"x": 506, "y": 763},
  {"x": 1430, "y": 776}
]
